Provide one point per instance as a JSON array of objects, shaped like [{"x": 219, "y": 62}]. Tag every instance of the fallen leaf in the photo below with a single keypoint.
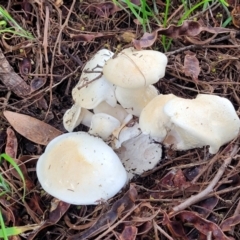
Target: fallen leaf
[
  {"x": 104, "y": 9},
  {"x": 191, "y": 66},
  {"x": 32, "y": 128},
  {"x": 85, "y": 37},
  {"x": 175, "y": 227},
  {"x": 37, "y": 83},
  {"x": 205, "y": 207},
  {"x": 12, "y": 80},
  {"x": 25, "y": 66},
  {"x": 107, "y": 219},
  {"x": 11, "y": 143},
  {"x": 228, "y": 223},
  {"x": 202, "y": 225},
  {"x": 236, "y": 16},
  {"x": 54, "y": 217},
  {"x": 188, "y": 29},
  {"x": 129, "y": 233}
]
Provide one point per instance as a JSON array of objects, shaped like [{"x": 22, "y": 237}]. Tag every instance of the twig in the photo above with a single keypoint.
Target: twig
[
  {"x": 191, "y": 47},
  {"x": 162, "y": 231},
  {"x": 54, "y": 51},
  {"x": 196, "y": 198}
]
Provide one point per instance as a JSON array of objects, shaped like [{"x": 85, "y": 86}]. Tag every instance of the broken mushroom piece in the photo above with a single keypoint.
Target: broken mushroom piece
[
  {"x": 76, "y": 115},
  {"x": 139, "y": 154},
  {"x": 206, "y": 120},
  {"x": 117, "y": 111},
  {"x": 135, "y": 69},
  {"x": 93, "y": 88},
  {"x": 80, "y": 169},
  {"x": 153, "y": 120},
  {"x": 102, "y": 125},
  {"x": 134, "y": 100}
]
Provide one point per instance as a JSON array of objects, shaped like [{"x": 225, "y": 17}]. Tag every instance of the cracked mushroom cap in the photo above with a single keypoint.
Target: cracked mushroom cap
[
  {"x": 135, "y": 69},
  {"x": 93, "y": 88},
  {"x": 153, "y": 120},
  {"x": 80, "y": 169},
  {"x": 206, "y": 120}
]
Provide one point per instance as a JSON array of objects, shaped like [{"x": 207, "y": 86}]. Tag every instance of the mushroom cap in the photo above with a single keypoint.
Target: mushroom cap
[
  {"x": 80, "y": 169},
  {"x": 117, "y": 111},
  {"x": 135, "y": 69},
  {"x": 153, "y": 120},
  {"x": 74, "y": 116},
  {"x": 103, "y": 125},
  {"x": 139, "y": 154},
  {"x": 123, "y": 134},
  {"x": 134, "y": 100},
  {"x": 93, "y": 88},
  {"x": 206, "y": 120}
]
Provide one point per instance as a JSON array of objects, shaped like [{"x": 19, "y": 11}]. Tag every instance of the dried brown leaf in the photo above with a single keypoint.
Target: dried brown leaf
[
  {"x": 236, "y": 16},
  {"x": 188, "y": 29},
  {"x": 107, "y": 219},
  {"x": 12, "y": 80},
  {"x": 11, "y": 144},
  {"x": 179, "y": 180},
  {"x": 85, "y": 37},
  {"x": 129, "y": 233},
  {"x": 202, "y": 225},
  {"x": 32, "y": 128},
  {"x": 175, "y": 227},
  {"x": 191, "y": 66},
  {"x": 206, "y": 206},
  {"x": 37, "y": 83},
  {"x": 104, "y": 9},
  {"x": 25, "y": 66},
  {"x": 228, "y": 223},
  {"x": 54, "y": 217}
]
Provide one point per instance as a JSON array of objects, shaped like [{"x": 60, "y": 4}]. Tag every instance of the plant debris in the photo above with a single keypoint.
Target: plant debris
[{"x": 190, "y": 194}]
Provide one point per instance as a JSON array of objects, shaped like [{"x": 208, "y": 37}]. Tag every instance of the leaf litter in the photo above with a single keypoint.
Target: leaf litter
[{"x": 189, "y": 195}]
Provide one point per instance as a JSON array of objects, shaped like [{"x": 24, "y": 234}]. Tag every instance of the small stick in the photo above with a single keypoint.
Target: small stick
[
  {"x": 162, "y": 231},
  {"x": 196, "y": 198}
]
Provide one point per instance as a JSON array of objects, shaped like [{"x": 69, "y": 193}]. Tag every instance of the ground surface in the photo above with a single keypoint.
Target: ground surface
[{"x": 47, "y": 68}]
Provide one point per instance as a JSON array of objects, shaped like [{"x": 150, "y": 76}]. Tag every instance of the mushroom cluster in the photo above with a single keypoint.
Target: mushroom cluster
[{"x": 128, "y": 121}]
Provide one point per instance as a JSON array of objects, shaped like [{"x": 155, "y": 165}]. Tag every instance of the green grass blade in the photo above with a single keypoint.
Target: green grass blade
[
  {"x": 3, "y": 228},
  {"x": 15, "y": 166},
  {"x": 13, "y": 231}
]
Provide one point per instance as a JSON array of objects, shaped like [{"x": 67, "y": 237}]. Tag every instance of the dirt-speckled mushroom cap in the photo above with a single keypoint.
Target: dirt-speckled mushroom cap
[
  {"x": 135, "y": 69},
  {"x": 139, "y": 154},
  {"x": 134, "y": 100},
  {"x": 206, "y": 120},
  {"x": 80, "y": 169},
  {"x": 93, "y": 88},
  {"x": 103, "y": 125}
]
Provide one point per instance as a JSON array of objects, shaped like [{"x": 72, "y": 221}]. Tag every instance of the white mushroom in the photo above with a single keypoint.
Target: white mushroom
[
  {"x": 76, "y": 115},
  {"x": 102, "y": 125},
  {"x": 134, "y": 100},
  {"x": 206, "y": 120},
  {"x": 80, "y": 169},
  {"x": 135, "y": 69},
  {"x": 153, "y": 120},
  {"x": 139, "y": 154},
  {"x": 92, "y": 87},
  {"x": 117, "y": 111},
  {"x": 123, "y": 134}
]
